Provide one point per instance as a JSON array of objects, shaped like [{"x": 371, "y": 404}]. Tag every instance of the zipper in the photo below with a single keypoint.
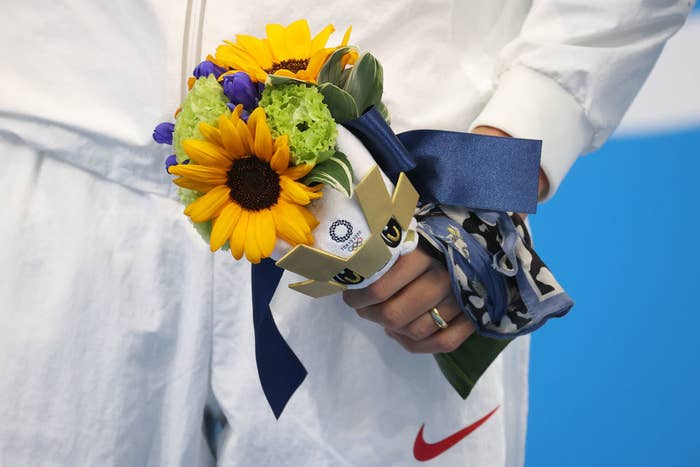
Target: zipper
[{"x": 191, "y": 41}]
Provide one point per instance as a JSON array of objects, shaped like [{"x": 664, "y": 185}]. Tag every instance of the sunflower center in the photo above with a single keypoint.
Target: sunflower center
[
  {"x": 254, "y": 185},
  {"x": 293, "y": 64}
]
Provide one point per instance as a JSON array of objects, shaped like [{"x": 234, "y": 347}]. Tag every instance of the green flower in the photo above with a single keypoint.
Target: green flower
[
  {"x": 204, "y": 103},
  {"x": 299, "y": 112}
]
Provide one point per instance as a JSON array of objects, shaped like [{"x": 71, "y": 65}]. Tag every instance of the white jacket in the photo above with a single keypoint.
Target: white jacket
[{"x": 119, "y": 329}]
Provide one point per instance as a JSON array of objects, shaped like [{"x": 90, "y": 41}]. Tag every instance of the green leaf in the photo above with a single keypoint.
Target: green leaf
[
  {"x": 463, "y": 367},
  {"x": 344, "y": 78},
  {"x": 340, "y": 103},
  {"x": 274, "y": 80},
  {"x": 366, "y": 82},
  {"x": 331, "y": 71},
  {"x": 335, "y": 172},
  {"x": 381, "y": 108}
]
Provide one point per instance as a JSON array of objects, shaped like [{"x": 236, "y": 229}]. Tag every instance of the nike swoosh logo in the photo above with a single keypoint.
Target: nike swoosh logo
[{"x": 423, "y": 451}]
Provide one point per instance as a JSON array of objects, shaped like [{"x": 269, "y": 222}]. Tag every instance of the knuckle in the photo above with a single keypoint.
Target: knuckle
[
  {"x": 413, "y": 334},
  {"x": 409, "y": 346},
  {"x": 450, "y": 343},
  {"x": 391, "y": 317},
  {"x": 378, "y": 291},
  {"x": 417, "y": 332}
]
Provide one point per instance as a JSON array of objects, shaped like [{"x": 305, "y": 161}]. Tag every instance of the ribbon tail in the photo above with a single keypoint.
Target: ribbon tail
[
  {"x": 476, "y": 171},
  {"x": 454, "y": 168},
  {"x": 280, "y": 370}
]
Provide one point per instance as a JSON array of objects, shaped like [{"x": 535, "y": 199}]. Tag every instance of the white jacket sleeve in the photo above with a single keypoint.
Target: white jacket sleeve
[{"x": 573, "y": 71}]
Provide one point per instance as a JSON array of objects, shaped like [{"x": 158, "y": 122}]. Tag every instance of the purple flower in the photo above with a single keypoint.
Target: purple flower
[
  {"x": 163, "y": 133},
  {"x": 172, "y": 160},
  {"x": 169, "y": 162},
  {"x": 239, "y": 88},
  {"x": 207, "y": 68}
]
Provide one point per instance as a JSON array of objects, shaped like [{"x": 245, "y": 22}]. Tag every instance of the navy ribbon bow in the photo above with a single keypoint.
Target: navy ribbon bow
[{"x": 446, "y": 167}]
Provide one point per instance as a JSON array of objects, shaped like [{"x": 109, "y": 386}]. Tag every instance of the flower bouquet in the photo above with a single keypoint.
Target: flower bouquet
[
  {"x": 263, "y": 164},
  {"x": 282, "y": 150}
]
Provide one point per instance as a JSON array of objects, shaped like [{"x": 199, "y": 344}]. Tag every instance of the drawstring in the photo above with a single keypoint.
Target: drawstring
[{"x": 191, "y": 41}]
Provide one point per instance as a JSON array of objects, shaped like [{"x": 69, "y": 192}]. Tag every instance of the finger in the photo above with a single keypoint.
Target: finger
[
  {"x": 425, "y": 326},
  {"x": 405, "y": 270},
  {"x": 445, "y": 341},
  {"x": 412, "y": 301}
]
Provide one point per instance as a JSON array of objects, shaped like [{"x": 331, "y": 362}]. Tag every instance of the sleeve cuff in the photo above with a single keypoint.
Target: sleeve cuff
[{"x": 527, "y": 104}]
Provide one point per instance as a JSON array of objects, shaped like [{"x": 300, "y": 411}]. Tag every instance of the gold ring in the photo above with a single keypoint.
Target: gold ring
[{"x": 441, "y": 323}]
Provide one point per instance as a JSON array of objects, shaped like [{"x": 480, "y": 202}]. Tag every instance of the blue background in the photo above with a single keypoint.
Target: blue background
[{"x": 616, "y": 382}]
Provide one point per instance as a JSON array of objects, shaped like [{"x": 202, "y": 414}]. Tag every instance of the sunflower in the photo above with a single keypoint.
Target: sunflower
[
  {"x": 249, "y": 190},
  {"x": 287, "y": 51}
]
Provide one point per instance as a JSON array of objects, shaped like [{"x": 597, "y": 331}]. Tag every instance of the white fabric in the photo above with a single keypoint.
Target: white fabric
[{"x": 119, "y": 328}]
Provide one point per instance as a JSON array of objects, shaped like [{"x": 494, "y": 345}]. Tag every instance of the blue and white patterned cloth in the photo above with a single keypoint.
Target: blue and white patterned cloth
[{"x": 501, "y": 283}]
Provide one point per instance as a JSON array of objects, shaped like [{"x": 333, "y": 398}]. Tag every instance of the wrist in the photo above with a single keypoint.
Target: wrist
[{"x": 490, "y": 131}]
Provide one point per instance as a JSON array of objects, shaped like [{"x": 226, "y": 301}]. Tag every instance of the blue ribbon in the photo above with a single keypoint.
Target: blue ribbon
[
  {"x": 279, "y": 369},
  {"x": 446, "y": 167},
  {"x": 461, "y": 169}
]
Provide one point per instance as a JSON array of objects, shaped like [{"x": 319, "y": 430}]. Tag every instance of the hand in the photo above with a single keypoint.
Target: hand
[
  {"x": 543, "y": 183},
  {"x": 401, "y": 301}
]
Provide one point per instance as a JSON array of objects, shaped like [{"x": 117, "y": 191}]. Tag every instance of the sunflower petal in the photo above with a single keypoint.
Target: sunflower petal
[
  {"x": 316, "y": 62},
  {"x": 292, "y": 192},
  {"x": 225, "y": 74},
  {"x": 223, "y": 225},
  {"x": 256, "y": 48},
  {"x": 209, "y": 205},
  {"x": 192, "y": 185},
  {"x": 306, "y": 221},
  {"x": 346, "y": 36},
  {"x": 287, "y": 74},
  {"x": 298, "y": 39},
  {"x": 296, "y": 192},
  {"x": 310, "y": 219},
  {"x": 211, "y": 133},
  {"x": 200, "y": 173},
  {"x": 290, "y": 231},
  {"x": 243, "y": 133},
  {"x": 349, "y": 59},
  {"x": 263, "y": 141},
  {"x": 206, "y": 153},
  {"x": 298, "y": 171},
  {"x": 266, "y": 232},
  {"x": 280, "y": 159},
  {"x": 216, "y": 62},
  {"x": 275, "y": 36},
  {"x": 258, "y": 75},
  {"x": 234, "y": 57},
  {"x": 319, "y": 41},
  {"x": 237, "y": 111},
  {"x": 238, "y": 237},
  {"x": 261, "y": 134},
  {"x": 282, "y": 141},
  {"x": 251, "y": 248},
  {"x": 230, "y": 138}
]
